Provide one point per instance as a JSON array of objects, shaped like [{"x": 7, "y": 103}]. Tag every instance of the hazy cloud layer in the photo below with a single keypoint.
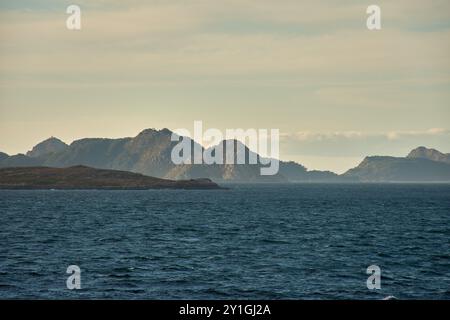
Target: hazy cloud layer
[{"x": 354, "y": 143}]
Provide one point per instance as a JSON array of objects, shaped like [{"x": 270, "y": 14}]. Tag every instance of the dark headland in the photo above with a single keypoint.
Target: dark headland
[{"x": 82, "y": 177}]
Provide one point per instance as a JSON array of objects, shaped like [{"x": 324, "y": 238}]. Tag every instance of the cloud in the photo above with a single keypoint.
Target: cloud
[
  {"x": 433, "y": 132},
  {"x": 314, "y": 136},
  {"x": 360, "y": 144}
]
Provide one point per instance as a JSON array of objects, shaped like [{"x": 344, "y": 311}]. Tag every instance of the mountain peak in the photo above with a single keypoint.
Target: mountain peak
[
  {"x": 153, "y": 131},
  {"x": 165, "y": 131},
  {"x": 147, "y": 131},
  {"x": 233, "y": 147},
  {"x": 50, "y": 145},
  {"x": 430, "y": 154}
]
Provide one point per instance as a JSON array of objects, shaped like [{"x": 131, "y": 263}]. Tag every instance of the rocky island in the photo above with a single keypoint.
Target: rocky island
[{"x": 83, "y": 177}]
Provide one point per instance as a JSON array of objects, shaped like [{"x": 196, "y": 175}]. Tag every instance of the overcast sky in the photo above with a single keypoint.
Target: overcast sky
[{"x": 336, "y": 91}]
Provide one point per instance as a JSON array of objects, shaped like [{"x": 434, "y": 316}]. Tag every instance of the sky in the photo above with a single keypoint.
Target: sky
[{"x": 336, "y": 91}]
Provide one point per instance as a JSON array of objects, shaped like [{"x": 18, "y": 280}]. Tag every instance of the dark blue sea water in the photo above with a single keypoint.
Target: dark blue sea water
[{"x": 309, "y": 241}]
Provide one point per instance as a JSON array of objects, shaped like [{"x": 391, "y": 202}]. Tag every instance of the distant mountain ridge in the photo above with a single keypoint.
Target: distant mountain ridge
[
  {"x": 394, "y": 169},
  {"x": 430, "y": 154},
  {"x": 149, "y": 153},
  {"x": 420, "y": 165}
]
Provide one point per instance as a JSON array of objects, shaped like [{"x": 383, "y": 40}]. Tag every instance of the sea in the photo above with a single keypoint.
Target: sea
[{"x": 249, "y": 241}]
